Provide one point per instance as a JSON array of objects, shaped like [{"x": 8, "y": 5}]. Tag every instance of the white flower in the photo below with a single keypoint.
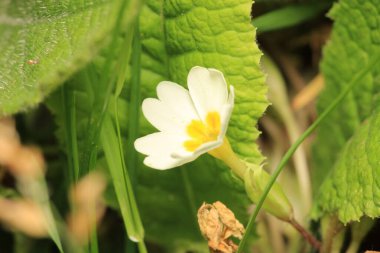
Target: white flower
[{"x": 190, "y": 122}]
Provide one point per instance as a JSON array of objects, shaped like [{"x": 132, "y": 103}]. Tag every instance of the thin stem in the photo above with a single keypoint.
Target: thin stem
[
  {"x": 134, "y": 105},
  {"x": 296, "y": 144},
  {"x": 189, "y": 193},
  {"x": 68, "y": 106},
  {"x": 73, "y": 137},
  {"x": 299, "y": 158},
  {"x": 278, "y": 96},
  {"x": 37, "y": 190},
  {"x": 142, "y": 247},
  {"x": 331, "y": 227},
  {"x": 107, "y": 84},
  {"x": 309, "y": 237},
  {"x": 94, "y": 235},
  {"x": 358, "y": 231},
  {"x": 226, "y": 154}
]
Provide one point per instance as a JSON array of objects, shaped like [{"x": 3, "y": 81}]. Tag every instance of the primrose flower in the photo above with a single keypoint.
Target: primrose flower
[{"x": 190, "y": 122}]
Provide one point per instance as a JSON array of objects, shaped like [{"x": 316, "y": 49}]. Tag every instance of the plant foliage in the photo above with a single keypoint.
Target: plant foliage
[{"x": 344, "y": 153}]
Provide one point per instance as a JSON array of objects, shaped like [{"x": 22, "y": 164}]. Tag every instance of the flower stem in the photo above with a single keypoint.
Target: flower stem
[
  {"x": 309, "y": 237},
  {"x": 228, "y": 156},
  {"x": 331, "y": 230}
]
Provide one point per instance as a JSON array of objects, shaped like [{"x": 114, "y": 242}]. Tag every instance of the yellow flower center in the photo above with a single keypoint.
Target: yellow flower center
[{"x": 201, "y": 132}]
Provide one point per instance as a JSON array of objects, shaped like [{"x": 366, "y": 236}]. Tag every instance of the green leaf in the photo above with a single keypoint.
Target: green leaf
[
  {"x": 44, "y": 42},
  {"x": 355, "y": 42},
  {"x": 176, "y": 37},
  {"x": 352, "y": 189},
  {"x": 345, "y": 157},
  {"x": 190, "y": 35}
]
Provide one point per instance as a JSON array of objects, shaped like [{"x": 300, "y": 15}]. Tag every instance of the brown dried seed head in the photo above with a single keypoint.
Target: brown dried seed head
[
  {"x": 235, "y": 228},
  {"x": 217, "y": 224}
]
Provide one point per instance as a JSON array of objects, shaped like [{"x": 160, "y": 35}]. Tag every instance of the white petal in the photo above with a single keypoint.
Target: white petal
[
  {"x": 159, "y": 142},
  {"x": 178, "y": 98},
  {"x": 208, "y": 146},
  {"x": 159, "y": 115},
  {"x": 159, "y": 148},
  {"x": 174, "y": 109},
  {"x": 204, "y": 148},
  {"x": 156, "y": 162},
  {"x": 208, "y": 90},
  {"x": 225, "y": 113}
]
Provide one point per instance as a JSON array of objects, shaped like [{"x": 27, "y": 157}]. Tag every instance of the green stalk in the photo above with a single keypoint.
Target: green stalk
[
  {"x": 107, "y": 82},
  {"x": 358, "y": 232},
  {"x": 299, "y": 141},
  {"x": 135, "y": 228},
  {"x": 68, "y": 105},
  {"x": 112, "y": 146},
  {"x": 134, "y": 104},
  {"x": 94, "y": 240},
  {"x": 37, "y": 190},
  {"x": 189, "y": 193}
]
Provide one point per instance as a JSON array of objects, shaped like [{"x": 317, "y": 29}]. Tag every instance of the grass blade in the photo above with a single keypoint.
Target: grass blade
[
  {"x": 68, "y": 106},
  {"x": 124, "y": 192},
  {"x": 134, "y": 105},
  {"x": 288, "y": 16}
]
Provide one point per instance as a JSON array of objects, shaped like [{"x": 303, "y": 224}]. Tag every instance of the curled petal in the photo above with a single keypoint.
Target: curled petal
[
  {"x": 208, "y": 90},
  {"x": 226, "y": 112}
]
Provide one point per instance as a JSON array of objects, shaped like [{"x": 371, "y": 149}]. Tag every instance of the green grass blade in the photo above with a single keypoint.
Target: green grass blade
[
  {"x": 106, "y": 87},
  {"x": 94, "y": 240},
  {"x": 68, "y": 106},
  {"x": 114, "y": 155},
  {"x": 189, "y": 193},
  {"x": 288, "y": 16},
  {"x": 134, "y": 105},
  {"x": 38, "y": 192}
]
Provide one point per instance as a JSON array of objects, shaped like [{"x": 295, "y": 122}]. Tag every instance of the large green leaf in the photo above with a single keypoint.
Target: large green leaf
[
  {"x": 355, "y": 42},
  {"x": 352, "y": 189},
  {"x": 344, "y": 153},
  {"x": 44, "y": 42},
  {"x": 175, "y": 37}
]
